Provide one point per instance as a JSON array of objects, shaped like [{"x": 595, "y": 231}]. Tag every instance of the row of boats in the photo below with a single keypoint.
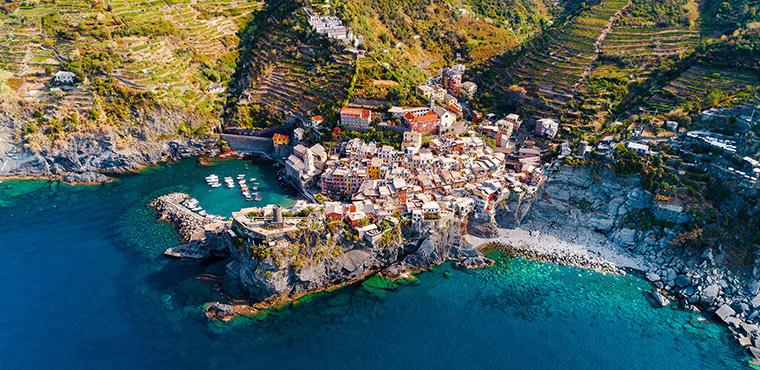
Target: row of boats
[
  {"x": 194, "y": 205},
  {"x": 249, "y": 192}
]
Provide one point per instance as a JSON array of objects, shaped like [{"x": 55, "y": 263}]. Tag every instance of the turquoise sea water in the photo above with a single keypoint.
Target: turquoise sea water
[{"x": 85, "y": 286}]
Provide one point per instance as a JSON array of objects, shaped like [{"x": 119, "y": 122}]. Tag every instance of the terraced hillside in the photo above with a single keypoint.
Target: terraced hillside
[
  {"x": 287, "y": 71},
  {"x": 553, "y": 70},
  {"x": 701, "y": 86},
  {"x": 649, "y": 36},
  {"x": 587, "y": 70},
  {"x": 171, "y": 55},
  {"x": 409, "y": 40}
]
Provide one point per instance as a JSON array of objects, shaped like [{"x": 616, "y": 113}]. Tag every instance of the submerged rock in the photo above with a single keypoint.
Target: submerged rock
[
  {"x": 658, "y": 299},
  {"x": 86, "y": 178}
]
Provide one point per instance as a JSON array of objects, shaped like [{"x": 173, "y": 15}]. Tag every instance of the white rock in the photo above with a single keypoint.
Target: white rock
[
  {"x": 710, "y": 293},
  {"x": 724, "y": 313}
]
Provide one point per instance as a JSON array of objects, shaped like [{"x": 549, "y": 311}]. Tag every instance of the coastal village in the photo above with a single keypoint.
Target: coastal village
[
  {"x": 621, "y": 137},
  {"x": 452, "y": 169},
  {"x": 452, "y": 162}
]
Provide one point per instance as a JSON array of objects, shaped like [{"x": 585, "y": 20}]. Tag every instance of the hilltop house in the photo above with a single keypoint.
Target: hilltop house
[
  {"x": 547, "y": 127},
  {"x": 642, "y": 149},
  {"x": 64, "y": 78},
  {"x": 356, "y": 118},
  {"x": 427, "y": 123}
]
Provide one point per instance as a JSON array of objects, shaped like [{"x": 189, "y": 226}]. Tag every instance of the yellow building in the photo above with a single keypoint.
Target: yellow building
[{"x": 373, "y": 171}]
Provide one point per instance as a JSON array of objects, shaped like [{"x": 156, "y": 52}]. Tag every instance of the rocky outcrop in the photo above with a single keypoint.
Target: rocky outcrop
[
  {"x": 272, "y": 278},
  {"x": 82, "y": 154},
  {"x": 612, "y": 215},
  {"x": 86, "y": 178}
]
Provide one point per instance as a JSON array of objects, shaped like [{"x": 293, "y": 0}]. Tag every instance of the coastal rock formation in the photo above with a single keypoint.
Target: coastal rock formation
[
  {"x": 82, "y": 154},
  {"x": 592, "y": 211},
  {"x": 273, "y": 276},
  {"x": 86, "y": 178}
]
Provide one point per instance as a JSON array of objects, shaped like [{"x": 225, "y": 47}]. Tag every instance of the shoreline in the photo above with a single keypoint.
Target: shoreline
[{"x": 544, "y": 242}]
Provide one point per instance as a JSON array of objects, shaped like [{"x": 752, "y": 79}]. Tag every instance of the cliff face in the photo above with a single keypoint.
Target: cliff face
[
  {"x": 280, "y": 276},
  {"x": 586, "y": 197},
  {"x": 87, "y": 151}
]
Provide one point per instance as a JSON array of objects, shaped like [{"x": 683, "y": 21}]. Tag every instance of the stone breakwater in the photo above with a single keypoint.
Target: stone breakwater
[
  {"x": 190, "y": 225},
  {"x": 594, "y": 210}
]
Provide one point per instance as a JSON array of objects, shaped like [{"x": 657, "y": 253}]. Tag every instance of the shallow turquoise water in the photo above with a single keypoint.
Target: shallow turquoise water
[{"x": 85, "y": 286}]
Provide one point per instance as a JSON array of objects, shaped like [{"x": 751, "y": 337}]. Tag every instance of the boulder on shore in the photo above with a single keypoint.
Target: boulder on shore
[
  {"x": 652, "y": 277},
  {"x": 710, "y": 294},
  {"x": 724, "y": 313}
]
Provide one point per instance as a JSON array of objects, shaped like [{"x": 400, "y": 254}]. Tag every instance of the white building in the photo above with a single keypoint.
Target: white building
[
  {"x": 547, "y": 127},
  {"x": 64, "y": 78},
  {"x": 642, "y": 149}
]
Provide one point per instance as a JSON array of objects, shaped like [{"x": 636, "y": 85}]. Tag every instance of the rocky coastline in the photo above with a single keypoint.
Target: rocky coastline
[
  {"x": 88, "y": 158},
  {"x": 593, "y": 214},
  {"x": 581, "y": 217},
  {"x": 254, "y": 282}
]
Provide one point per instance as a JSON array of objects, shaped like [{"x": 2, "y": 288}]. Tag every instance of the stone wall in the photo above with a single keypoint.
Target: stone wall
[{"x": 250, "y": 144}]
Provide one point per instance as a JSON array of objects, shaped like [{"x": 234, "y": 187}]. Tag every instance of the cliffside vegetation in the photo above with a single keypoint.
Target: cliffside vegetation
[
  {"x": 286, "y": 70},
  {"x": 142, "y": 70},
  {"x": 409, "y": 40}
]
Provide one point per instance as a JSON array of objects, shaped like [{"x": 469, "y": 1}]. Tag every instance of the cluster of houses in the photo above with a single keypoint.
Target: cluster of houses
[
  {"x": 380, "y": 185},
  {"x": 438, "y": 117},
  {"x": 450, "y": 82},
  {"x": 460, "y": 175},
  {"x": 333, "y": 27}
]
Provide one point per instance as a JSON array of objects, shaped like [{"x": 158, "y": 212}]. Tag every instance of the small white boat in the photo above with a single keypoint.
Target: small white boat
[
  {"x": 229, "y": 182},
  {"x": 241, "y": 177}
]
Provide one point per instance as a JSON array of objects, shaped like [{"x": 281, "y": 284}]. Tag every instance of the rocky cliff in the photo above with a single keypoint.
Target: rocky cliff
[
  {"x": 613, "y": 217},
  {"x": 79, "y": 156},
  {"x": 281, "y": 275}
]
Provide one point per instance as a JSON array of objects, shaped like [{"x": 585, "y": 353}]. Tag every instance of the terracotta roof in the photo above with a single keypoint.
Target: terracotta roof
[
  {"x": 427, "y": 117},
  {"x": 355, "y": 112},
  {"x": 280, "y": 138},
  {"x": 318, "y": 118}
]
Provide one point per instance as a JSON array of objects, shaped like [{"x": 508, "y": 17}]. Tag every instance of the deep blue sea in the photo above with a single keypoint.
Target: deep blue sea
[{"x": 85, "y": 285}]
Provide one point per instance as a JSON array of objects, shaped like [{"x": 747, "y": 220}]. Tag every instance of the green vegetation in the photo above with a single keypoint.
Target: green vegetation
[
  {"x": 286, "y": 69},
  {"x": 408, "y": 40},
  {"x": 131, "y": 60}
]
